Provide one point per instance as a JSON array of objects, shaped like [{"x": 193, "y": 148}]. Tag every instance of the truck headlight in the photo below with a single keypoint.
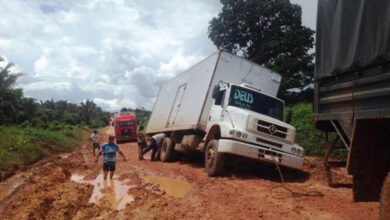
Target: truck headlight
[
  {"x": 238, "y": 134},
  {"x": 293, "y": 150},
  {"x": 299, "y": 152}
]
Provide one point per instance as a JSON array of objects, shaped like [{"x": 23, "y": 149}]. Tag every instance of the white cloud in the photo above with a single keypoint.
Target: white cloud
[{"x": 115, "y": 52}]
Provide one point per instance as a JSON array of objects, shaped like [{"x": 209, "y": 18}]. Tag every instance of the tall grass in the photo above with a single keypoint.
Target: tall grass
[{"x": 23, "y": 145}]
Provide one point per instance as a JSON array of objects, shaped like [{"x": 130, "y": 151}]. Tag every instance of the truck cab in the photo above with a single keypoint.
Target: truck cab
[
  {"x": 125, "y": 127},
  {"x": 249, "y": 123}
]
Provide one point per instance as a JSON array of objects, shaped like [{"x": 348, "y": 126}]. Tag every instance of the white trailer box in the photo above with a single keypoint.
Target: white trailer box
[{"x": 184, "y": 102}]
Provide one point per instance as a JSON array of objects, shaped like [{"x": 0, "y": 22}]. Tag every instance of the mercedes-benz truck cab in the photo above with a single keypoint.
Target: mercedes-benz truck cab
[{"x": 251, "y": 125}]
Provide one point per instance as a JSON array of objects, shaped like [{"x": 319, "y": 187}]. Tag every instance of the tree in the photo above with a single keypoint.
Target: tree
[
  {"x": 9, "y": 98},
  {"x": 87, "y": 108},
  {"x": 270, "y": 33}
]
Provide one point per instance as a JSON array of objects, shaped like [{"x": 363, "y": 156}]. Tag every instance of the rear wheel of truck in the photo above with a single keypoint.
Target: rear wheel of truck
[
  {"x": 213, "y": 159},
  {"x": 167, "y": 150},
  {"x": 384, "y": 206}
]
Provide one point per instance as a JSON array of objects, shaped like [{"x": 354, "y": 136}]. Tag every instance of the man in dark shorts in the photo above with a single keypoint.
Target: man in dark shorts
[
  {"x": 95, "y": 141},
  {"x": 141, "y": 140},
  {"x": 109, "y": 151}
]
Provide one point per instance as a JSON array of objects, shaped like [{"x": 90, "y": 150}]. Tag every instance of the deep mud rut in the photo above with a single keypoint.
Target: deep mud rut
[{"x": 71, "y": 187}]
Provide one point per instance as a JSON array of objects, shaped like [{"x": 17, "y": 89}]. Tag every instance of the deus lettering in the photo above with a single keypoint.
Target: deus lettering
[{"x": 243, "y": 96}]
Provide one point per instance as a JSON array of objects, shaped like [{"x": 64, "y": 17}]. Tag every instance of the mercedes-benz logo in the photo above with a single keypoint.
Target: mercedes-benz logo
[{"x": 272, "y": 129}]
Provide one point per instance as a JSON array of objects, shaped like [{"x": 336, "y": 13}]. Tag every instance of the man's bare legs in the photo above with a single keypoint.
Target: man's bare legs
[
  {"x": 112, "y": 174},
  {"x": 105, "y": 172}
]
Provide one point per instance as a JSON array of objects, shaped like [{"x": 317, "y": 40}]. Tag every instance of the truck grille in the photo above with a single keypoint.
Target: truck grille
[
  {"x": 267, "y": 128},
  {"x": 125, "y": 132},
  {"x": 271, "y": 129}
]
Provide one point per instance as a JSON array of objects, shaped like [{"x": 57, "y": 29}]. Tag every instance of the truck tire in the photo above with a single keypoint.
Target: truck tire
[
  {"x": 384, "y": 207},
  {"x": 167, "y": 150},
  {"x": 213, "y": 159}
]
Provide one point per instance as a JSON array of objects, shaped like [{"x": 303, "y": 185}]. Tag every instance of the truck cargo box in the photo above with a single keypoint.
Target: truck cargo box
[
  {"x": 184, "y": 102},
  {"x": 352, "y": 76}
]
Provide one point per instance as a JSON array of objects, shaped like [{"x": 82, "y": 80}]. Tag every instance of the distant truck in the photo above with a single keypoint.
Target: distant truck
[
  {"x": 125, "y": 127},
  {"x": 225, "y": 105},
  {"x": 352, "y": 91}
]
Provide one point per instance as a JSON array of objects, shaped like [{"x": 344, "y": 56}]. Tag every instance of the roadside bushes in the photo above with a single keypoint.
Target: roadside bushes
[
  {"x": 312, "y": 140},
  {"x": 22, "y": 145}
]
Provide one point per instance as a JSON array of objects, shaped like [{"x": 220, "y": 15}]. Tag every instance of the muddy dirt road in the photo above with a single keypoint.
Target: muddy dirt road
[{"x": 70, "y": 186}]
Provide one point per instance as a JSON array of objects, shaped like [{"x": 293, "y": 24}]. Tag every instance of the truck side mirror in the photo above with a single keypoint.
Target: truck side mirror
[{"x": 215, "y": 91}]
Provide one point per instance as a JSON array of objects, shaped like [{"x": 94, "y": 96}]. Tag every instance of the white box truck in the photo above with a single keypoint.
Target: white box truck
[{"x": 225, "y": 105}]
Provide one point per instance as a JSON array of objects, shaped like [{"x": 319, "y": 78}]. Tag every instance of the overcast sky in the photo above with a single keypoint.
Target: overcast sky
[{"x": 114, "y": 52}]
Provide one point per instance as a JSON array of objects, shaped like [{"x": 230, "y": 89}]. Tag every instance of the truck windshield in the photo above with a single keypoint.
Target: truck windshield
[
  {"x": 255, "y": 101},
  {"x": 125, "y": 123}
]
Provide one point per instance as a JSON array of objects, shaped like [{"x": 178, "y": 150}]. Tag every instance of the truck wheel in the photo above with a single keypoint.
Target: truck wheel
[
  {"x": 213, "y": 159},
  {"x": 167, "y": 150},
  {"x": 384, "y": 207}
]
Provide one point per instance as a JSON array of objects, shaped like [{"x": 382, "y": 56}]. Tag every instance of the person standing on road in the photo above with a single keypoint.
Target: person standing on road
[
  {"x": 109, "y": 151},
  {"x": 141, "y": 140},
  {"x": 95, "y": 141},
  {"x": 155, "y": 143}
]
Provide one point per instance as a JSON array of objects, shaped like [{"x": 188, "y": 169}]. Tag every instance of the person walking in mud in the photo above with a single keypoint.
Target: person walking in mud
[
  {"x": 155, "y": 142},
  {"x": 109, "y": 151},
  {"x": 141, "y": 140},
  {"x": 95, "y": 141}
]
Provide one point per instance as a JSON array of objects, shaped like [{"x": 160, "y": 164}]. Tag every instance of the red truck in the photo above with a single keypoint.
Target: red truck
[{"x": 125, "y": 127}]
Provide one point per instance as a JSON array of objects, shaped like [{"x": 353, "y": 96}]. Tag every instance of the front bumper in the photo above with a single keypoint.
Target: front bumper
[
  {"x": 126, "y": 138},
  {"x": 259, "y": 153}
]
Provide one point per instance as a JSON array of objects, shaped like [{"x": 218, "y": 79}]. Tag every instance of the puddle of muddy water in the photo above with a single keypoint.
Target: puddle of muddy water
[
  {"x": 8, "y": 186},
  {"x": 64, "y": 155},
  {"x": 172, "y": 187},
  {"x": 112, "y": 190}
]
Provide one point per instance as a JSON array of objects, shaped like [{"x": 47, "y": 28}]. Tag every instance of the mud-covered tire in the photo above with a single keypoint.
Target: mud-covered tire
[
  {"x": 167, "y": 150},
  {"x": 213, "y": 159},
  {"x": 384, "y": 207}
]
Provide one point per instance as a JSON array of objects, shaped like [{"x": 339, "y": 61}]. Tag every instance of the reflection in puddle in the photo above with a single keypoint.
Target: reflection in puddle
[
  {"x": 172, "y": 187},
  {"x": 112, "y": 191}
]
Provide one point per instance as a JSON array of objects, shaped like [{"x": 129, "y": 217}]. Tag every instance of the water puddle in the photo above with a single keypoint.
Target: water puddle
[
  {"x": 64, "y": 155},
  {"x": 172, "y": 187},
  {"x": 113, "y": 191},
  {"x": 7, "y": 187}
]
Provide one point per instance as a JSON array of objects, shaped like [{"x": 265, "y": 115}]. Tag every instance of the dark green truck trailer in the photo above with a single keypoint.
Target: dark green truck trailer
[{"x": 352, "y": 89}]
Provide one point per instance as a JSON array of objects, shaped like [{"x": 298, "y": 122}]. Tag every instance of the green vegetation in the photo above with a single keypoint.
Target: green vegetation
[
  {"x": 31, "y": 130},
  {"x": 23, "y": 145},
  {"x": 311, "y": 139},
  {"x": 269, "y": 33}
]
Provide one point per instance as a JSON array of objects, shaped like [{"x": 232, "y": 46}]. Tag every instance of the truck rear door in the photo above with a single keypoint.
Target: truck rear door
[{"x": 176, "y": 105}]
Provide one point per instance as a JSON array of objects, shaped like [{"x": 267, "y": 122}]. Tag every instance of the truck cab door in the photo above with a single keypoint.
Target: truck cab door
[{"x": 216, "y": 111}]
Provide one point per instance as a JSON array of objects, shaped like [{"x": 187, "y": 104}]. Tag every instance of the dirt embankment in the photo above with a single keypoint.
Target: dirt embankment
[{"x": 72, "y": 188}]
